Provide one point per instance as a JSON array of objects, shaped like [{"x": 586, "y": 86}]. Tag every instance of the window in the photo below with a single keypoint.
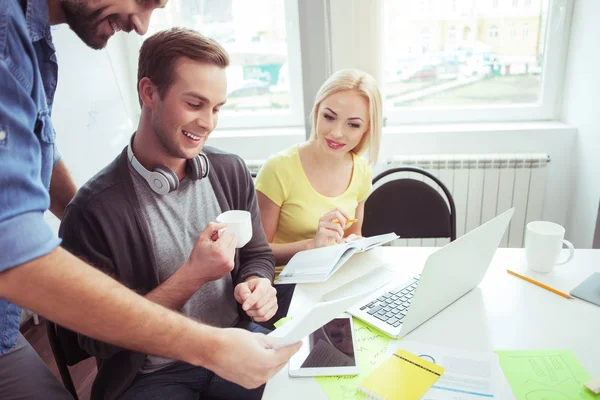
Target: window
[
  {"x": 452, "y": 33},
  {"x": 482, "y": 75},
  {"x": 515, "y": 3},
  {"x": 527, "y": 3},
  {"x": 512, "y": 28},
  {"x": 495, "y": 3},
  {"x": 425, "y": 40},
  {"x": 264, "y": 77}
]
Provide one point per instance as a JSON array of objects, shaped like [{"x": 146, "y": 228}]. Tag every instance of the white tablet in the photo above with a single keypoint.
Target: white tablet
[{"x": 329, "y": 350}]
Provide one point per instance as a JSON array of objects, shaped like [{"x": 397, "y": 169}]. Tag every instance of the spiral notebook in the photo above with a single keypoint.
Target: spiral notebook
[{"x": 403, "y": 376}]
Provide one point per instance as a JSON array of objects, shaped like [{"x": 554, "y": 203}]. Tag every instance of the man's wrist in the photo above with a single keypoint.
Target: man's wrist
[
  {"x": 208, "y": 341},
  {"x": 248, "y": 279},
  {"x": 187, "y": 271}
]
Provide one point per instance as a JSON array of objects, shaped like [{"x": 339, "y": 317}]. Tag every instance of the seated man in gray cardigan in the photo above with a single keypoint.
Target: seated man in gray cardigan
[{"x": 146, "y": 220}]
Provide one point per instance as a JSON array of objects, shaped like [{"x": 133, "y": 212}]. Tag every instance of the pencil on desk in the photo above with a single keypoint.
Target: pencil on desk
[{"x": 558, "y": 292}]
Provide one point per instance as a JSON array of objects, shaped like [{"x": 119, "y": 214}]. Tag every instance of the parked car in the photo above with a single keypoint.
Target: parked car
[
  {"x": 424, "y": 72},
  {"x": 250, "y": 87}
]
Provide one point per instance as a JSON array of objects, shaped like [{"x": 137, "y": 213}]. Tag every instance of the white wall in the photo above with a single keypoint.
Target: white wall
[
  {"x": 580, "y": 109},
  {"x": 89, "y": 113}
]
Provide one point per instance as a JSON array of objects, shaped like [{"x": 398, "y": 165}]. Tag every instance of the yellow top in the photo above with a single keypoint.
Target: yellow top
[{"x": 282, "y": 179}]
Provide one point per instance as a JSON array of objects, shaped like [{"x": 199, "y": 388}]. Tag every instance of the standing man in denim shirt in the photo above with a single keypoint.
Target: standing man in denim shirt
[{"x": 34, "y": 271}]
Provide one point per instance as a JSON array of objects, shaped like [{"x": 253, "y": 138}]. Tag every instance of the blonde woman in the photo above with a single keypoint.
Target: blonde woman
[{"x": 309, "y": 192}]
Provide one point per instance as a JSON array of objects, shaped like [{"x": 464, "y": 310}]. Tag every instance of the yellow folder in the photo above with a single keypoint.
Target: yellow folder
[{"x": 403, "y": 376}]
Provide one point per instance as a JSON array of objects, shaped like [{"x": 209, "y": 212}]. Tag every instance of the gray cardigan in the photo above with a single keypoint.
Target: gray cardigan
[{"x": 102, "y": 225}]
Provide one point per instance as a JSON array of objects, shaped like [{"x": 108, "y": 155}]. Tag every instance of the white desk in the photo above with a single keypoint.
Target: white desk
[{"x": 503, "y": 313}]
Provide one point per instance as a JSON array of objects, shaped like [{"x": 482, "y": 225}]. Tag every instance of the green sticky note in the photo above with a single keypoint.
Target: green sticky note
[
  {"x": 371, "y": 346},
  {"x": 545, "y": 374},
  {"x": 282, "y": 322}
]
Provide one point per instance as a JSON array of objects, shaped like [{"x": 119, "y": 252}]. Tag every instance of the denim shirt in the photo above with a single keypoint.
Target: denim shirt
[{"x": 28, "y": 78}]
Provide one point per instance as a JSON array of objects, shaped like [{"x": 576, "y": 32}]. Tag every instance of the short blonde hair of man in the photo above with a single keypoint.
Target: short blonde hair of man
[{"x": 364, "y": 84}]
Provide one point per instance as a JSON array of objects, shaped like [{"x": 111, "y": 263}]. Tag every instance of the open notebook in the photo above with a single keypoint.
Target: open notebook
[{"x": 317, "y": 265}]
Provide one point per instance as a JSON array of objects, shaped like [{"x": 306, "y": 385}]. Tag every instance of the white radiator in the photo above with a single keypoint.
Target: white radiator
[{"x": 483, "y": 186}]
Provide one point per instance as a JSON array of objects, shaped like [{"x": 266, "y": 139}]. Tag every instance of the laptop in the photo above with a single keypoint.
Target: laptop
[{"x": 448, "y": 274}]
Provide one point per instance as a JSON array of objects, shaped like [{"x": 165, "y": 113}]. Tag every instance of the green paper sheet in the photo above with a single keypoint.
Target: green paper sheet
[
  {"x": 371, "y": 346},
  {"x": 282, "y": 322},
  {"x": 545, "y": 375}
]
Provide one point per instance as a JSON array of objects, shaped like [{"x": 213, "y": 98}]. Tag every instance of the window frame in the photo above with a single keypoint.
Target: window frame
[
  {"x": 547, "y": 107},
  {"x": 320, "y": 57}
]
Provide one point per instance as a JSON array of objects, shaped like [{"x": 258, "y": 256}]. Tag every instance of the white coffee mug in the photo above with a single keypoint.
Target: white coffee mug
[
  {"x": 240, "y": 223},
  {"x": 543, "y": 243}
]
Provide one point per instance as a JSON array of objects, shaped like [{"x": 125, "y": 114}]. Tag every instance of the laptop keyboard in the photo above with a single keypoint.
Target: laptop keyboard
[{"x": 391, "y": 307}]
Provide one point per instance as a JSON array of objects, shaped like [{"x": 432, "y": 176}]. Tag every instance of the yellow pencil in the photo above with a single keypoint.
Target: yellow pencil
[
  {"x": 558, "y": 292},
  {"x": 348, "y": 221}
]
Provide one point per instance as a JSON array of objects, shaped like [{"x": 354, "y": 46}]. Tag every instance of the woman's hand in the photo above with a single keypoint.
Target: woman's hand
[
  {"x": 352, "y": 237},
  {"x": 331, "y": 228}
]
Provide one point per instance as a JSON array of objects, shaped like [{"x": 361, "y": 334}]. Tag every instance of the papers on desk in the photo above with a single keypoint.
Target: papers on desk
[
  {"x": 545, "y": 374},
  {"x": 468, "y": 375},
  {"x": 317, "y": 265},
  {"x": 312, "y": 319}
]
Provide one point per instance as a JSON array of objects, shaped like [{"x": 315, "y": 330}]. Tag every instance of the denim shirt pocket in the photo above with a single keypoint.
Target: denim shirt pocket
[
  {"x": 46, "y": 135},
  {"x": 43, "y": 127}
]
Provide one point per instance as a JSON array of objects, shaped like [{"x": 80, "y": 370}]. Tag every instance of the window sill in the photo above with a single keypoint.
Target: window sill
[
  {"x": 487, "y": 127},
  {"x": 258, "y": 132},
  {"x": 498, "y": 127}
]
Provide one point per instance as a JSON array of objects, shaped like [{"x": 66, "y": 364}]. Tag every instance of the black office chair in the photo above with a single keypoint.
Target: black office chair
[
  {"x": 65, "y": 358},
  {"x": 409, "y": 207}
]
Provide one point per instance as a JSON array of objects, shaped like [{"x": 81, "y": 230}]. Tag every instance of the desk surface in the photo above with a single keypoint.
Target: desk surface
[{"x": 502, "y": 313}]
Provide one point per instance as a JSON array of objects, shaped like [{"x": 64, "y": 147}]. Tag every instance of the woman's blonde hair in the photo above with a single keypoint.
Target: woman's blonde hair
[{"x": 364, "y": 84}]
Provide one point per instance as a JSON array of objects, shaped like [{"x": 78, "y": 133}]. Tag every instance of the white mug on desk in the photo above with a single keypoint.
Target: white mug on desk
[
  {"x": 543, "y": 242},
  {"x": 240, "y": 223}
]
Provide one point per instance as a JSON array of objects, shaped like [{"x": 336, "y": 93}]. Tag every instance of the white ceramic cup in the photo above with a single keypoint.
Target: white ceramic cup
[
  {"x": 543, "y": 243},
  {"x": 240, "y": 223}
]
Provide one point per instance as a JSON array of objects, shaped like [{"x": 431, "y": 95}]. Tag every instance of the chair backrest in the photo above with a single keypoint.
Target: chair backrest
[
  {"x": 409, "y": 207},
  {"x": 67, "y": 352}
]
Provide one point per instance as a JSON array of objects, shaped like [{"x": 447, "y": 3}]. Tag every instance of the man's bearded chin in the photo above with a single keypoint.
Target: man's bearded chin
[{"x": 84, "y": 22}]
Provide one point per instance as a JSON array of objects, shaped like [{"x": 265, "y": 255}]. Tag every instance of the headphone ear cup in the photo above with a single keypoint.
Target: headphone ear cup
[
  {"x": 195, "y": 168},
  {"x": 204, "y": 165},
  {"x": 198, "y": 166},
  {"x": 163, "y": 180}
]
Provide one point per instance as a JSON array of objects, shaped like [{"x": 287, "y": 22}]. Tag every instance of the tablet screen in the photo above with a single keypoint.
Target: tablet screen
[{"x": 329, "y": 349}]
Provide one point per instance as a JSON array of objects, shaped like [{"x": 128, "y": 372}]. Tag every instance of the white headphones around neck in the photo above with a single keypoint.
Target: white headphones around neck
[{"x": 161, "y": 179}]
